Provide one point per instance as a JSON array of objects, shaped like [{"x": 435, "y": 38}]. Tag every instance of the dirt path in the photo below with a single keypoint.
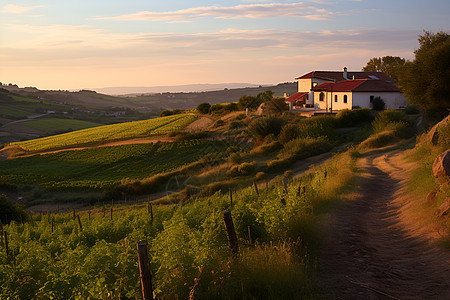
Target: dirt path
[
  {"x": 199, "y": 124},
  {"x": 374, "y": 251}
]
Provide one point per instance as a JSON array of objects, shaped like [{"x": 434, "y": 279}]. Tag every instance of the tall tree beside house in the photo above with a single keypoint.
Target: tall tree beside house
[
  {"x": 390, "y": 65},
  {"x": 426, "y": 80}
]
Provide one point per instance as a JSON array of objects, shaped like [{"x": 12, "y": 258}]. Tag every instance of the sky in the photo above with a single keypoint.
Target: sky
[{"x": 67, "y": 44}]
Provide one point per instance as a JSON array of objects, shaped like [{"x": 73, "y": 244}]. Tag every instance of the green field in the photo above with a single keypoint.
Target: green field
[
  {"x": 17, "y": 111},
  {"x": 102, "y": 167},
  {"x": 54, "y": 124},
  {"x": 120, "y": 131}
]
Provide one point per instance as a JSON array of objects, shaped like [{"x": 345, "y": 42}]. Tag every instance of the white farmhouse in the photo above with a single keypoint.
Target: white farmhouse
[{"x": 332, "y": 91}]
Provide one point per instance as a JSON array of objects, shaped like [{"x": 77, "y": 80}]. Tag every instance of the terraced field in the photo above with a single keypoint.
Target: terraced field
[
  {"x": 102, "y": 167},
  {"x": 113, "y": 132}
]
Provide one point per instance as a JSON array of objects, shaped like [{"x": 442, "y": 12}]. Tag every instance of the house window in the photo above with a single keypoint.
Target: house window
[
  {"x": 345, "y": 98},
  {"x": 335, "y": 98},
  {"x": 371, "y": 98},
  {"x": 307, "y": 96},
  {"x": 321, "y": 96}
]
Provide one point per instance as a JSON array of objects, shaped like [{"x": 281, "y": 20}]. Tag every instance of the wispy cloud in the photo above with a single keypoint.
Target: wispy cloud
[
  {"x": 84, "y": 40},
  {"x": 252, "y": 11},
  {"x": 17, "y": 9}
]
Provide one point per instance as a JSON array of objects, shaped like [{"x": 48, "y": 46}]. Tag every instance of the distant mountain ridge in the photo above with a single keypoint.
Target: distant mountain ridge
[{"x": 188, "y": 88}]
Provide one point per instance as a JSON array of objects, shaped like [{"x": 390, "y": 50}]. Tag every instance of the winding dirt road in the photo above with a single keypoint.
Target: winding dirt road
[{"x": 375, "y": 249}]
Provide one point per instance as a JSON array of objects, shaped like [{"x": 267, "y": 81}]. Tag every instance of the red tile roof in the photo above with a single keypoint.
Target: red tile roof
[
  {"x": 339, "y": 75},
  {"x": 296, "y": 97},
  {"x": 358, "y": 85}
]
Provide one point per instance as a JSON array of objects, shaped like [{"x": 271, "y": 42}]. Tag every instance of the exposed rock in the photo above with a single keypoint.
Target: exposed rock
[
  {"x": 435, "y": 138},
  {"x": 444, "y": 208},
  {"x": 431, "y": 197},
  {"x": 441, "y": 165}
]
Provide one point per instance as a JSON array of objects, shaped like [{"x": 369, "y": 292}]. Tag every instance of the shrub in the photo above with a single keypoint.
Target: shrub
[
  {"x": 317, "y": 127},
  {"x": 384, "y": 118},
  {"x": 275, "y": 106},
  {"x": 267, "y": 148},
  {"x": 236, "y": 158},
  {"x": 288, "y": 133},
  {"x": 305, "y": 147},
  {"x": 11, "y": 211},
  {"x": 412, "y": 109},
  {"x": 444, "y": 135},
  {"x": 262, "y": 127},
  {"x": 204, "y": 108},
  {"x": 379, "y": 140},
  {"x": 351, "y": 118},
  {"x": 219, "y": 123},
  {"x": 378, "y": 104},
  {"x": 242, "y": 169},
  {"x": 235, "y": 124},
  {"x": 165, "y": 113}
]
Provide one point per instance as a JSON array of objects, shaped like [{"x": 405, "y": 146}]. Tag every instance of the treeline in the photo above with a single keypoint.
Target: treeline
[{"x": 423, "y": 80}]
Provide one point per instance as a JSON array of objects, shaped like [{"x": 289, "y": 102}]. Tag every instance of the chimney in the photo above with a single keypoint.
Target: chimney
[{"x": 345, "y": 73}]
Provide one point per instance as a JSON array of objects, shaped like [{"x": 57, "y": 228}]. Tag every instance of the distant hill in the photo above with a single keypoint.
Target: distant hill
[
  {"x": 133, "y": 91},
  {"x": 152, "y": 102}
]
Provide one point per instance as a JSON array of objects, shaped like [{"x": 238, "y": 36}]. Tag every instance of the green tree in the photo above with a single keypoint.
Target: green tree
[
  {"x": 249, "y": 102},
  {"x": 204, "y": 107},
  {"x": 425, "y": 80},
  {"x": 390, "y": 65}
]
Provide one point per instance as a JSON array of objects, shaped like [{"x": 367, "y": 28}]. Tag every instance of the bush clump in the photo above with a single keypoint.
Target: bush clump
[
  {"x": 378, "y": 104},
  {"x": 11, "y": 211},
  {"x": 393, "y": 120},
  {"x": 351, "y": 118},
  {"x": 245, "y": 168},
  {"x": 262, "y": 127},
  {"x": 288, "y": 133},
  {"x": 305, "y": 147},
  {"x": 204, "y": 108}
]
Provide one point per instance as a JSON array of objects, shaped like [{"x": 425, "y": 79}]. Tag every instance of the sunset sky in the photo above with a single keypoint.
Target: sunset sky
[{"x": 67, "y": 44}]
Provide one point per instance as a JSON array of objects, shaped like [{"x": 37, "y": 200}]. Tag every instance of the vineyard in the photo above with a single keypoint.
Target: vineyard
[
  {"x": 120, "y": 131},
  {"x": 103, "y": 167},
  {"x": 58, "y": 257}
]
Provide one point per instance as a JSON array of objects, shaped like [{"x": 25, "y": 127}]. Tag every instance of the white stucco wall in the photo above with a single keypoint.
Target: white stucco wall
[
  {"x": 329, "y": 100},
  {"x": 304, "y": 85},
  {"x": 393, "y": 100},
  {"x": 340, "y": 100}
]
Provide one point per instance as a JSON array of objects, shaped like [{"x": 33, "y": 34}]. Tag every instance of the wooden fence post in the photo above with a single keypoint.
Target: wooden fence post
[
  {"x": 285, "y": 185},
  {"x": 89, "y": 215},
  {"x": 74, "y": 216},
  {"x": 53, "y": 224},
  {"x": 111, "y": 212},
  {"x": 231, "y": 233},
  {"x": 6, "y": 242},
  {"x": 256, "y": 188},
  {"x": 231, "y": 196},
  {"x": 150, "y": 211},
  {"x": 144, "y": 270},
  {"x": 249, "y": 234},
  {"x": 79, "y": 223},
  {"x": 1, "y": 229}
]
